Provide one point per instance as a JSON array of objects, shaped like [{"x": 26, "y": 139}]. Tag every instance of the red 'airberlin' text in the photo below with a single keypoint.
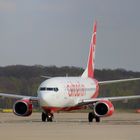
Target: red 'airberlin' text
[{"x": 76, "y": 90}]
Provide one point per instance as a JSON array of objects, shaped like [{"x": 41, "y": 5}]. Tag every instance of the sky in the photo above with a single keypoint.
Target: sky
[{"x": 58, "y": 32}]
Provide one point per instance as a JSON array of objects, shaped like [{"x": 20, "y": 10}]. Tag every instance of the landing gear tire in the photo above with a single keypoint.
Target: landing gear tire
[
  {"x": 90, "y": 117},
  {"x": 49, "y": 117},
  {"x": 97, "y": 119},
  {"x": 44, "y": 116}
]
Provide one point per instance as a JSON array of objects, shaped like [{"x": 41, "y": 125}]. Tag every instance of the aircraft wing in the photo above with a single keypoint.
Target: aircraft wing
[
  {"x": 32, "y": 98},
  {"x": 117, "y": 98},
  {"x": 94, "y": 100},
  {"x": 117, "y": 81}
]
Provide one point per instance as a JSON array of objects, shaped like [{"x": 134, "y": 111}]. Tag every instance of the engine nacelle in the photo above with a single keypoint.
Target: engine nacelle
[
  {"x": 103, "y": 108},
  {"x": 23, "y": 107}
]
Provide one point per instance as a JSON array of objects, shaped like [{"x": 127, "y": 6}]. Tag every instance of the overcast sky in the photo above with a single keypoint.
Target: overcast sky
[{"x": 58, "y": 32}]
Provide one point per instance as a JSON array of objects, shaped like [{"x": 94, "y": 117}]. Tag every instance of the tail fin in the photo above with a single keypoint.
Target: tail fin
[{"x": 89, "y": 71}]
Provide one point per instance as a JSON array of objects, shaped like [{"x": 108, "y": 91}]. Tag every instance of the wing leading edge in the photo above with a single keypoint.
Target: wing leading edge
[
  {"x": 117, "y": 81},
  {"x": 117, "y": 98},
  {"x": 31, "y": 98}
]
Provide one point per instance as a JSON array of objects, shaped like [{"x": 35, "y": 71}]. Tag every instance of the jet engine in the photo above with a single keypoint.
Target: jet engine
[
  {"x": 23, "y": 107},
  {"x": 103, "y": 108}
]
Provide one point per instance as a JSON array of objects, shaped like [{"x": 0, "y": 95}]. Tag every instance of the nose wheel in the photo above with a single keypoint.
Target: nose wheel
[{"x": 47, "y": 116}]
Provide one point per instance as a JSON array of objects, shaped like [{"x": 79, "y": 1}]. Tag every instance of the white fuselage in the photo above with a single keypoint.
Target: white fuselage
[{"x": 63, "y": 92}]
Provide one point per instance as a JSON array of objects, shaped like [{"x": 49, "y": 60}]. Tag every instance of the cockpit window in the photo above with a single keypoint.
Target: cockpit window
[
  {"x": 42, "y": 88},
  {"x": 56, "y": 89},
  {"x": 48, "y": 89}
]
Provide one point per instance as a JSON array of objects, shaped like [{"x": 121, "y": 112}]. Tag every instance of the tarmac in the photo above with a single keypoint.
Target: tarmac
[{"x": 70, "y": 126}]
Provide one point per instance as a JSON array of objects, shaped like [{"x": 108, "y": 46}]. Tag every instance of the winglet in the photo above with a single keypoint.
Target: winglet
[{"x": 89, "y": 71}]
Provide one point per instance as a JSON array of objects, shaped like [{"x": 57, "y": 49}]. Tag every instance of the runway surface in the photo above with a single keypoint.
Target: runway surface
[{"x": 70, "y": 126}]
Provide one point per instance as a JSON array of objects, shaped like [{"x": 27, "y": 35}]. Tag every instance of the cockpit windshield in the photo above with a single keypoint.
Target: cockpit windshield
[{"x": 48, "y": 89}]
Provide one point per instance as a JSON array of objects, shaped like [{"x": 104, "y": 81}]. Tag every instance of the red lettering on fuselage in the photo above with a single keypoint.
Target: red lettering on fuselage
[{"x": 76, "y": 90}]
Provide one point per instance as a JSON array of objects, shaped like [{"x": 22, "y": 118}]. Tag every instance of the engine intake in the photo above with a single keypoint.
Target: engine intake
[
  {"x": 103, "y": 108},
  {"x": 23, "y": 108}
]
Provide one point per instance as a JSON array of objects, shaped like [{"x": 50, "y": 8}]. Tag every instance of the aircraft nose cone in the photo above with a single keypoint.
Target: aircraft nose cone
[
  {"x": 42, "y": 98},
  {"x": 46, "y": 99}
]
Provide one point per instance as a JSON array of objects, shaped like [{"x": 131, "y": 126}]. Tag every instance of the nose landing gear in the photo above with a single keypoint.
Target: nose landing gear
[{"x": 48, "y": 116}]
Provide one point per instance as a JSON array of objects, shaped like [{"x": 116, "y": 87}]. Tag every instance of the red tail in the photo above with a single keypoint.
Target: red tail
[{"x": 89, "y": 72}]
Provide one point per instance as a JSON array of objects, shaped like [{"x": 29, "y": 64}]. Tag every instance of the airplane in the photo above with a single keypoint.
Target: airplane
[{"x": 71, "y": 93}]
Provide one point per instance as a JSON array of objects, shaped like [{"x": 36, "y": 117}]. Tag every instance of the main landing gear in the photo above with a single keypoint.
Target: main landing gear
[
  {"x": 92, "y": 116},
  {"x": 48, "y": 116}
]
